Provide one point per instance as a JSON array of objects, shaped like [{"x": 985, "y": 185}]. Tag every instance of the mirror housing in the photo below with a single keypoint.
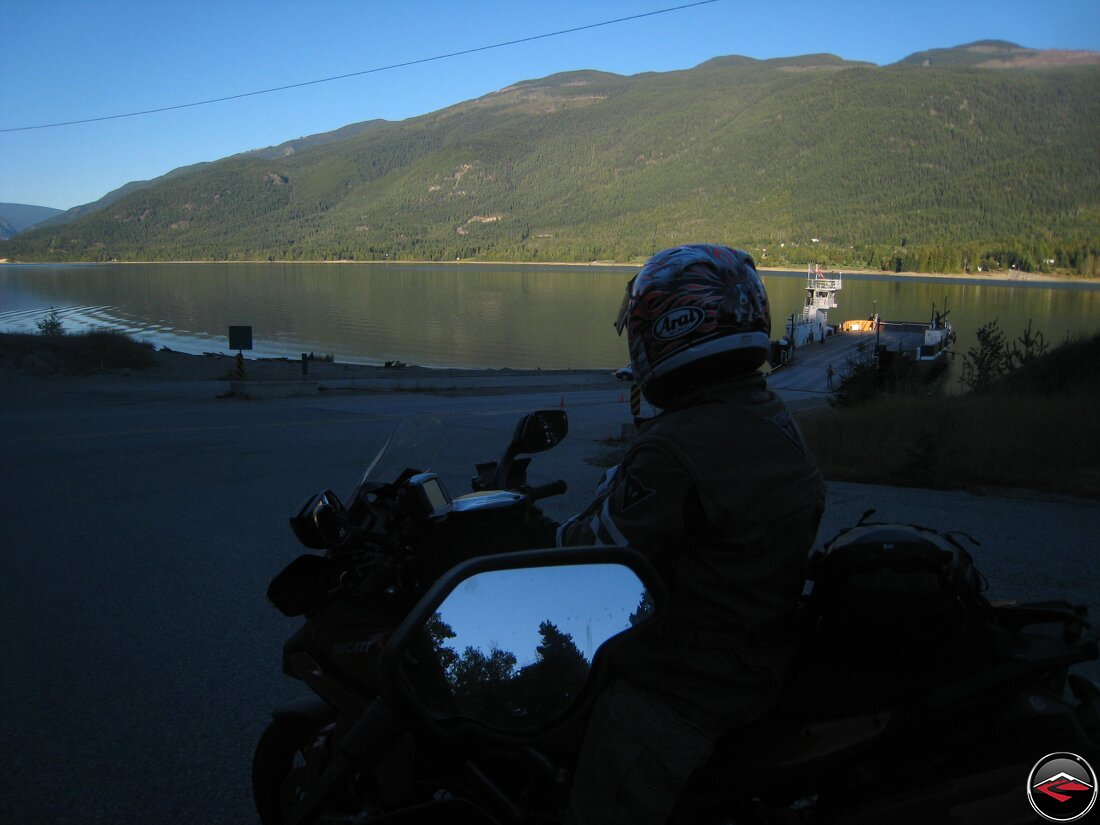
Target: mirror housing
[
  {"x": 323, "y": 522},
  {"x": 541, "y": 430},
  {"x": 436, "y": 665},
  {"x": 536, "y": 432}
]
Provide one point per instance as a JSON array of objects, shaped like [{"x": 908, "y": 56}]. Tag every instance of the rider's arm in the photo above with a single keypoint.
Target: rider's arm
[{"x": 643, "y": 507}]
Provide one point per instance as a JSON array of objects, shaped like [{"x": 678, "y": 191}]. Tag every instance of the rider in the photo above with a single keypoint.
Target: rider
[{"x": 721, "y": 494}]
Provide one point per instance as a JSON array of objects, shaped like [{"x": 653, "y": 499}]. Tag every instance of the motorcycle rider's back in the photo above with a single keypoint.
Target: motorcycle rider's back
[{"x": 720, "y": 493}]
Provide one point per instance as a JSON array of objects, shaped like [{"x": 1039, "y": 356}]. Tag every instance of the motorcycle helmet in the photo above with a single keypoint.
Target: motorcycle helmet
[{"x": 694, "y": 313}]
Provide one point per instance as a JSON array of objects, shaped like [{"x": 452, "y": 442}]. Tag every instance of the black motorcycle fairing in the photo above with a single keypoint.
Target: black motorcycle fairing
[{"x": 303, "y": 584}]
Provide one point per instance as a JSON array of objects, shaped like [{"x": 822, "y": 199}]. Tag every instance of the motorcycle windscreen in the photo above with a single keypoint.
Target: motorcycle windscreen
[{"x": 512, "y": 649}]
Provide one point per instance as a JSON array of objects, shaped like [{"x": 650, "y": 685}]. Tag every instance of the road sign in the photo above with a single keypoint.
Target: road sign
[{"x": 240, "y": 338}]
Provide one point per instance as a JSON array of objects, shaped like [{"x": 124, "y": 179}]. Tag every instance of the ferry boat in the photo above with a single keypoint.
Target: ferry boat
[
  {"x": 922, "y": 343},
  {"x": 938, "y": 337},
  {"x": 821, "y": 290}
]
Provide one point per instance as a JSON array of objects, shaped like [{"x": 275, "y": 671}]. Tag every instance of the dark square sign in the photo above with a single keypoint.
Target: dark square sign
[{"x": 240, "y": 338}]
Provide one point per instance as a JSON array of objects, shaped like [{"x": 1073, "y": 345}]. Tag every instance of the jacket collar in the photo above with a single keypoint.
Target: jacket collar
[{"x": 740, "y": 388}]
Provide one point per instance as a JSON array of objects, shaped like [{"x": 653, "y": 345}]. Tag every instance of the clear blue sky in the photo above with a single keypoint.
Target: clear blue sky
[{"x": 65, "y": 60}]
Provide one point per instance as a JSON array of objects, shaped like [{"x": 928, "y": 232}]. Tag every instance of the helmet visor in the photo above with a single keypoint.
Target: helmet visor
[{"x": 624, "y": 307}]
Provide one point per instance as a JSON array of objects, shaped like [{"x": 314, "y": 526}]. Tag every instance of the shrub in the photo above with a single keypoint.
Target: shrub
[
  {"x": 51, "y": 324},
  {"x": 1034, "y": 428},
  {"x": 86, "y": 352}
]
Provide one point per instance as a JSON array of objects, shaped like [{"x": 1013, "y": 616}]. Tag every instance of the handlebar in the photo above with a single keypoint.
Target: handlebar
[{"x": 553, "y": 488}]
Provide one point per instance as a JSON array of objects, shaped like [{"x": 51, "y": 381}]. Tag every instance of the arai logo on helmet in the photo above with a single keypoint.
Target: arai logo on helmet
[{"x": 677, "y": 322}]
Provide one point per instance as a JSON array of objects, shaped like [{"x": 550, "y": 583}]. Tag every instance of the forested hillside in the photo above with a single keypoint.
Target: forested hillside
[
  {"x": 905, "y": 167},
  {"x": 15, "y": 217}
]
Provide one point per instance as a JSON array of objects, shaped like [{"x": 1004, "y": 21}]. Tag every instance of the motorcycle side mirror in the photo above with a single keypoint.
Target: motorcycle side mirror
[
  {"x": 540, "y": 431},
  {"x": 331, "y": 519},
  {"x": 510, "y": 645},
  {"x": 536, "y": 432}
]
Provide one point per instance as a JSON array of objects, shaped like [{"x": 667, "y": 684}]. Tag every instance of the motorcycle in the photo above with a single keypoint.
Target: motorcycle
[
  {"x": 453, "y": 665},
  {"x": 398, "y": 532}
]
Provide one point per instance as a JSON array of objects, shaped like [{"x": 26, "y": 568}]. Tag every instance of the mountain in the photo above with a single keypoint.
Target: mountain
[
  {"x": 76, "y": 212},
  {"x": 298, "y": 144},
  {"x": 282, "y": 150},
  {"x": 15, "y": 217},
  {"x": 908, "y": 166},
  {"x": 1000, "y": 54}
]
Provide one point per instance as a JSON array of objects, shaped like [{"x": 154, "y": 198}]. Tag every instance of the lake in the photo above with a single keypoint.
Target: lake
[{"x": 468, "y": 315}]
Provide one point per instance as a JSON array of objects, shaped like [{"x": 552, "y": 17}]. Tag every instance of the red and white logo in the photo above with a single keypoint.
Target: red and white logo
[{"x": 1062, "y": 787}]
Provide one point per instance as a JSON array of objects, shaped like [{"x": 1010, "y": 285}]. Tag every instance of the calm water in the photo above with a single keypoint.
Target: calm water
[{"x": 463, "y": 316}]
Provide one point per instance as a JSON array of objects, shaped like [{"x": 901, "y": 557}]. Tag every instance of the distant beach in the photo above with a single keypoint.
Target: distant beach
[{"x": 996, "y": 276}]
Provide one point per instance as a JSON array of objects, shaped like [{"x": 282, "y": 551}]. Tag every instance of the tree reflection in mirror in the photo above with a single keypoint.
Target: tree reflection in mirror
[{"x": 512, "y": 649}]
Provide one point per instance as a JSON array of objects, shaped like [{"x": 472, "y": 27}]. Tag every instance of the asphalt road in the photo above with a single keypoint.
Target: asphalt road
[{"x": 142, "y": 525}]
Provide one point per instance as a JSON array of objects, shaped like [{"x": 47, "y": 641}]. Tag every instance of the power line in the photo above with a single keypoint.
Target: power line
[{"x": 363, "y": 72}]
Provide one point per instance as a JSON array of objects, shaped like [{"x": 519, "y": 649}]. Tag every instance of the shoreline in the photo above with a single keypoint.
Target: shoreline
[
  {"x": 173, "y": 365},
  {"x": 997, "y": 277}
]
